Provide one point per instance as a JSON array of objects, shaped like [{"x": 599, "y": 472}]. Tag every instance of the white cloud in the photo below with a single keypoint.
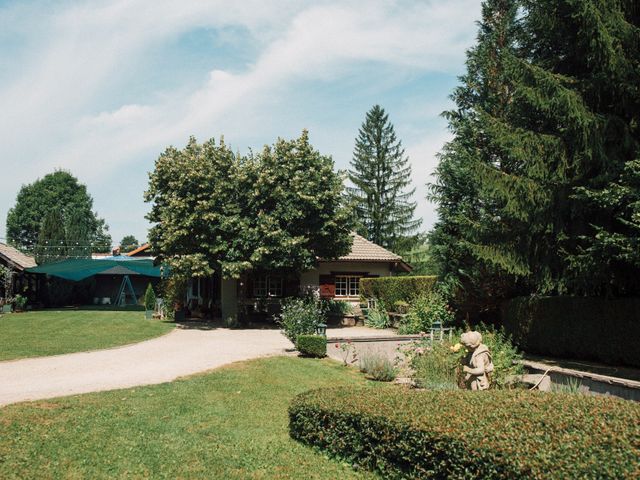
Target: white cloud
[{"x": 49, "y": 106}]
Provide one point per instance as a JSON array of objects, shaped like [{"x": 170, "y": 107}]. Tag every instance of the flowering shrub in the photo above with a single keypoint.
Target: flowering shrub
[
  {"x": 438, "y": 365},
  {"x": 299, "y": 316},
  {"x": 347, "y": 348},
  {"x": 500, "y": 434}
]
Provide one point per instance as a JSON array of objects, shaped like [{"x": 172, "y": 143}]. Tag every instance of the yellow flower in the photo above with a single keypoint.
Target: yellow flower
[{"x": 455, "y": 348}]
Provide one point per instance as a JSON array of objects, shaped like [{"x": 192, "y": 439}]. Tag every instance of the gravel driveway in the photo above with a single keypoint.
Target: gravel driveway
[{"x": 181, "y": 352}]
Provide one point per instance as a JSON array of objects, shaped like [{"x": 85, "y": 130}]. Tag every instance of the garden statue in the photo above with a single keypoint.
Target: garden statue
[{"x": 477, "y": 364}]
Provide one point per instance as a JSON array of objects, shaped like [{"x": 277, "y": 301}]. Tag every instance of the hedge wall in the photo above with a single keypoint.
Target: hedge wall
[
  {"x": 576, "y": 327},
  {"x": 393, "y": 289},
  {"x": 501, "y": 434}
]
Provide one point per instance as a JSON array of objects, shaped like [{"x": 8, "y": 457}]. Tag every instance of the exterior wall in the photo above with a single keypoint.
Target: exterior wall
[{"x": 311, "y": 279}]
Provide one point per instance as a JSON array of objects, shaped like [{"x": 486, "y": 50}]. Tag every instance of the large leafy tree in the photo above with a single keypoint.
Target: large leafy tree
[
  {"x": 213, "y": 209},
  {"x": 381, "y": 174},
  {"x": 546, "y": 124},
  {"x": 129, "y": 243},
  {"x": 58, "y": 192}
]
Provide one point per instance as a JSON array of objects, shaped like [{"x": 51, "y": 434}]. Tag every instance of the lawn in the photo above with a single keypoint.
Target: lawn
[
  {"x": 50, "y": 332},
  {"x": 230, "y": 423}
]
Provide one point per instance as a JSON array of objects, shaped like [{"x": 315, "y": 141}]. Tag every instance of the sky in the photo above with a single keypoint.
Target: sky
[{"x": 101, "y": 88}]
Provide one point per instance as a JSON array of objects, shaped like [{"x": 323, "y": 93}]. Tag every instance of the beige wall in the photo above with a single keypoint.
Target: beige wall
[{"x": 311, "y": 279}]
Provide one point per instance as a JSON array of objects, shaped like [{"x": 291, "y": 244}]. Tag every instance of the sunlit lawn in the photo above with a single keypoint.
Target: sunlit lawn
[
  {"x": 50, "y": 332},
  {"x": 231, "y": 423}
]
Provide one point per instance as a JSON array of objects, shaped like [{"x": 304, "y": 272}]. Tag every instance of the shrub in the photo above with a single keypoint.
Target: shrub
[
  {"x": 501, "y": 434},
  {"x": 337, "y": 307},
  {"x": 299, "y": 316},
  {"x": 377, "y": 317},
  {"x": 436, "y": 367},
  {"x": 588, "y": 328},
  {"x": 19, "y": 302},
  {"x": 377, "y": 366},
  {"x": 149, "y": 298},
  {"x": 424, "y": 311},
  {"x": 394, "y": 289},
  {"x": 312, "y": 345}
]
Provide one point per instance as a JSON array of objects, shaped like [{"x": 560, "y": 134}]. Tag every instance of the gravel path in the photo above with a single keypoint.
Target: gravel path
[{"x": 179, "y": 353}]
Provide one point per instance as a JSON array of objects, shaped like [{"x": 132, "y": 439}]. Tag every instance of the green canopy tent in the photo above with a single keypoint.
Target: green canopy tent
[{"x": 80, "y": 269}]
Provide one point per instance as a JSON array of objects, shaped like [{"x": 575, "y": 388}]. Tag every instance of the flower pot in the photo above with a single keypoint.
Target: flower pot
[
  {"x": 148, "y": 314},
  {"x": 6, "y": 309}
]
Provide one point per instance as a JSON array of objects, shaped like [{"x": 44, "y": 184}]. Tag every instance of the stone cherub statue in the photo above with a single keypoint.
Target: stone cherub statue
[{"x": 477, "y": 364}]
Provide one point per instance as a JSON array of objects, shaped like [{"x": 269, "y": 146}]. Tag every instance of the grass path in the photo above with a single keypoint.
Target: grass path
[
  {"x": 52, "y": 332},
  {"x": 231, "y": 423}
]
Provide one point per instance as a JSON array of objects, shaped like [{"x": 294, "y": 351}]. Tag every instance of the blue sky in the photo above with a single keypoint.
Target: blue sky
[{"x": 102, "y": 88}]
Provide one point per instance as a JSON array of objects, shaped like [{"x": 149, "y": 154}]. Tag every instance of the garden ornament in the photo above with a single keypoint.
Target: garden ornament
[{"x": 477, "y": 364}]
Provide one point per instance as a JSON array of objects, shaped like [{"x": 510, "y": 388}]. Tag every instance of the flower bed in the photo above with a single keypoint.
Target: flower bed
[{"x": 504, "y": 434}]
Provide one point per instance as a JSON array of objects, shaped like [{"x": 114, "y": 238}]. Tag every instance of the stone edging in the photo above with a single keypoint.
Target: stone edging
[{"x": 581, "y": 374}]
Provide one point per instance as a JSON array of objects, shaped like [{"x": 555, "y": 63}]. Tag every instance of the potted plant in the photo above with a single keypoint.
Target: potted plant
[{"x": 149, "y": 302}]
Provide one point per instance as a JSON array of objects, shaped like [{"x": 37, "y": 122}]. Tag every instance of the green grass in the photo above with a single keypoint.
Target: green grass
[
  {"x": 231, "y": 423},
  {"x": 50, "y": 332}
]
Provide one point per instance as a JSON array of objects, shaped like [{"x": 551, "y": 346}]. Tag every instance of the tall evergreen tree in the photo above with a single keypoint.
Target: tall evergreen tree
[
  {"x": 546, "y": 127},
  {"x": 380, "y": 172}
]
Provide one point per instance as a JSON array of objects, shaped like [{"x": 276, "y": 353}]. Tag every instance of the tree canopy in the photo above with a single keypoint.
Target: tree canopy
[
  {"x": 128, "y": 243},
  {"x": 537, "y": 191},
  {"x": 381, "y": 174},
  {"x": 280, "y": 208},
  {"x": 58, "y": 195}
]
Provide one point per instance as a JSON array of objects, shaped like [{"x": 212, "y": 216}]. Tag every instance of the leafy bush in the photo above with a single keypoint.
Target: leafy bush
[
  {"x": 149, "y": 298},
  {"x": 19, "y": 302},
  {"x": 588, "y": 328},
  {"x": 377, "y": 317},
  {"x": 312, "y": 345},
  {"x": 424, "y": 311},
  {"x": 501, "y": 434},
  {"x": 299, "y": 316},
  {"x": 436, "y": 367},
  {"x": 377, "y": 366},
  {"x": 337, "y": 307},
  {"x": 394, "y": 289}
]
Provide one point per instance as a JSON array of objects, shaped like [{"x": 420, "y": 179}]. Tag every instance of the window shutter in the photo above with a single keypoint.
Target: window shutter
[{"x": 327, "y": 286}]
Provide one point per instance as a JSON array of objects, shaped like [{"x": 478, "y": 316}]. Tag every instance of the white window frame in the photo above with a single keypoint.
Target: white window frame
[{"x": 347, "y": 285}]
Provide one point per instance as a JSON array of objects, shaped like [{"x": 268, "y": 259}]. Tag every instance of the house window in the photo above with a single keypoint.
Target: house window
[
  {"x": 347, "y": 285},
  {"x": 267, "y": 286}
]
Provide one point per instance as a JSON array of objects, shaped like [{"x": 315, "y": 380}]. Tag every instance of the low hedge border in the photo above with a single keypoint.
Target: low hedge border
[
  {"x": 396, "y": 289},
  {"x": 312, "y": 345},
  {"x": 504, "y": 434},
  {"x": 600, "y": 329}
]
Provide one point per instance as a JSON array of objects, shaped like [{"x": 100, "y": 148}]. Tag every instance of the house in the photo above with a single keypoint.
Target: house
[
  {"x": 259, "y": 292},
  {"x": 24, "y": 283}
]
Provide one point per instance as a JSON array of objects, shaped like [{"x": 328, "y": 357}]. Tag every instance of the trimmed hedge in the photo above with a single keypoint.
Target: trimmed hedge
[
  {"x": 507, "y": 434},
  {"x": 599, "y": 329},
  {"x": 396, "y": 289},
  {"x": 312, "y": 345}
]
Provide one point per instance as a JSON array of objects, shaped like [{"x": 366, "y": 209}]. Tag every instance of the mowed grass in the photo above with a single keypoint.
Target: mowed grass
[
  {"x": 51, "y": 332},
  {"x": 229, "y": 424}
]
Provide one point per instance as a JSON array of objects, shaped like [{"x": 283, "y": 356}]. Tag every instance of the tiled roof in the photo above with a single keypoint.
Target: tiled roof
[
  {"x": 363, "y": 249},
  {"x": 140, "y": 249},
  {"x": 15, "y": 258}
]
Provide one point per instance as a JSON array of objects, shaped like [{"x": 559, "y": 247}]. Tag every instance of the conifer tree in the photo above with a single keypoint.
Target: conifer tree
[
  {"x": 381, "y": 174},
  {"x": 545, "y": 136}
]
